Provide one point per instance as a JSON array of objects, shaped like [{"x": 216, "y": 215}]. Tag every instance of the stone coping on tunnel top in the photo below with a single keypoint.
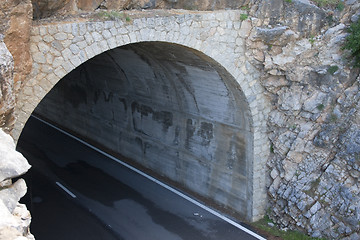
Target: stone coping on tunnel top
[{"x": 58, "y": 48}]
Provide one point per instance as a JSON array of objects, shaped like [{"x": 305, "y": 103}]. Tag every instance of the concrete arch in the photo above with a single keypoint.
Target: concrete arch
[{"x": 57, "y": 49}]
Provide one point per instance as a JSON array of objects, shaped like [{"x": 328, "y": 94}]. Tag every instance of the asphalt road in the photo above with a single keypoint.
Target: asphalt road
[{"x": 76, "y": 192}]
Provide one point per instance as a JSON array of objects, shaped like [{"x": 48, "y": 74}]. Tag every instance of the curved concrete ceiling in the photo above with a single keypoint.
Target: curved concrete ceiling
[{"x": 167, "y": 107}]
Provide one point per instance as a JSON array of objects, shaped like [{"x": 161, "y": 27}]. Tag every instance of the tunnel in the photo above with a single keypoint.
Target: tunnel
[{"x": 167, "y": 108}]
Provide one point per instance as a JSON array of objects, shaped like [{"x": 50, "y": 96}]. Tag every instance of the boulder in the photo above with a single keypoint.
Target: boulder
[{"x": 12, "y": 163}]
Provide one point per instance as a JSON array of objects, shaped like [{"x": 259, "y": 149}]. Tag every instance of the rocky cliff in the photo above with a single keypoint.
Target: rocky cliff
[{"x": 314, "y": 123}]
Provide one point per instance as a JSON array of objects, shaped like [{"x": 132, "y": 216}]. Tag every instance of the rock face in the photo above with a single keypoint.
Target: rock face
[
  {"x": 314, "y": 122},
  {"x": 7, "y": 95},
  {"x": 14, "y": 217},
  {"x": 43, "y": 9},
  {"x": 46, "y": 8},
  {"x": 17, "y": 36},
  {"x": 15, "y": 25}
]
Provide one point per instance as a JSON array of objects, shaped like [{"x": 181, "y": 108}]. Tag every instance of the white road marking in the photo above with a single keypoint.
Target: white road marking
[
  {"x": 66, "y": 190},
  {"x": 228, "y": 220}
]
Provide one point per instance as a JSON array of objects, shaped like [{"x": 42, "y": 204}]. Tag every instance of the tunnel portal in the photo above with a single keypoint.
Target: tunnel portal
[{"x": 170, "y": 109}]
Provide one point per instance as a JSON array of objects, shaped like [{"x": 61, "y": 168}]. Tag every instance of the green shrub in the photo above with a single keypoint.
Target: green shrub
[
  {"x": 333, "y": 118},
  {"x": 110, "y": 15},
  {"x": 272, "y": 148},
  {"x": 312, "y": 39},
  {"x": 326, "y": 3},
  {"x": 320, "y": 107},
  {"x": 243, "y": 16},
  {"x": 352, "y": 42},
  {"x": 113, "y": 15},
  {"x": 274, "y": 230},
  {"x": 332, "y": 69},
  {"x": 340, "y": 6}
]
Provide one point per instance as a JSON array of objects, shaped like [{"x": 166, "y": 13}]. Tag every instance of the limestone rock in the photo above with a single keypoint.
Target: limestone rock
[
  {"x": 7, "y": 96},
  {"x": 315, "y": 121},
  {"x": 9, "y": 233},
  {"x": 14, "y": 217},
  {"x": 42, "y": 9},
  {"x": 303, "y": 16},
  {"x": 275, "y": 36},
  {"x": 88, "y": 5},
  {"x": 12, "y": 163},
  {"x": 290, "y": 99},
  {"x": 15, "y": 226},
  {"x": 17, "y": 37},
  {"x": 48, "y": 8},
  {"x": 116, "y": 4},
  {"x": 6, "y": 216},
  {"x": 11, "y": 195}
]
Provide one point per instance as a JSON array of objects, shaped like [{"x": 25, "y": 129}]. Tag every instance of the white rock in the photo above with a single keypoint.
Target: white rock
[
  {"x": 12, "y": 163},
  {"x": 11, "y": 195},
  {"x": 6, "y": 218}
]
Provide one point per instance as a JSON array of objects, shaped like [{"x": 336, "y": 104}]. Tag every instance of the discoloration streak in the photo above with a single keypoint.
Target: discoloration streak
[{"x": 206, "y": 133}]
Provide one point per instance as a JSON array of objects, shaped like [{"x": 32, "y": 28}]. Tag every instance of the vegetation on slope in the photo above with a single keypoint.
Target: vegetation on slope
[{"x": 352, "y": 43}]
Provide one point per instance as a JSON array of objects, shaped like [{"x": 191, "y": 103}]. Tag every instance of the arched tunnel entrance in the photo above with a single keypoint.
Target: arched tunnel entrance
[{"x": 167, "y": 108}]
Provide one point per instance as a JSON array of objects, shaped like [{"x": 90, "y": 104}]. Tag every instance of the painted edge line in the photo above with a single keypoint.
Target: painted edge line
[
  {"x": 228, "y": 220},
  {"x": 65, "y": 189}
]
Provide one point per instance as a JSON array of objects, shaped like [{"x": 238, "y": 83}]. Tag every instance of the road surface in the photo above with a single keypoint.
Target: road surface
[{"x": 77, "y": 192}]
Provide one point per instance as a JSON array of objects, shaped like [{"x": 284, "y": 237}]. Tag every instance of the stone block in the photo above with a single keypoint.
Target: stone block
[
  {"x": 113, "y": 31},
  {"x": 60, "y": 36},
  {"x": 66, "y": 53},
  {"x": 106, "y": 34},
  {"x": 82, "y": 29},
  {"x": 39, "y": 57},
  {"x": 112, "y": 42},
  {"x": 67, "y": 66},
  {"x": 132, "y": 37},
  {"x": 82, "y": 44},
  {"x": 103, "y": 46}
]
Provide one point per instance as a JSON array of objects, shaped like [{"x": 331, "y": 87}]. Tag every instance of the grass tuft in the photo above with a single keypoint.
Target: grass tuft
[
  {"x": 113, "y": 15},
  {"x": 243, "y": 16},
  {"x": 275, "y": 231}
]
